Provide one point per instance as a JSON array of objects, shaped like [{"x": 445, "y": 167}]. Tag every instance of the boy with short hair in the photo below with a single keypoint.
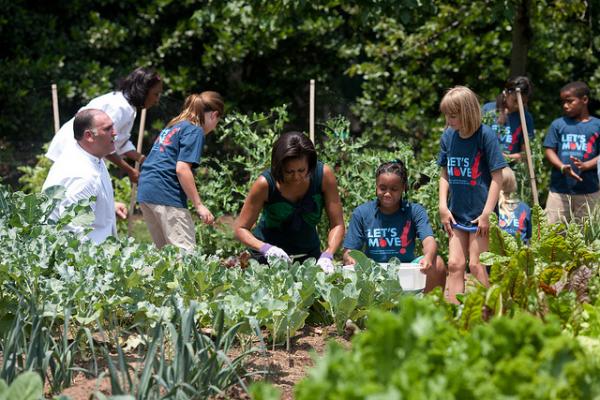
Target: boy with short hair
[{"x": 572, "y": 147}]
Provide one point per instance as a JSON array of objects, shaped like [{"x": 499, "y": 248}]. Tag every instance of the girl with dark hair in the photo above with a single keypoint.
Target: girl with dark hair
[
  {"x": 292, "y": 195},
  {"x": 503, "y": 117},
  {"x": 388, "y": 226},
  {"x": 167, "y": 178},
  {"x": 140, "y": 89}
]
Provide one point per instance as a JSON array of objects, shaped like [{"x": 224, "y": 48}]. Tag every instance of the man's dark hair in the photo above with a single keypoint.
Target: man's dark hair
[
  {"x": 83, "y": 121},
  {"x": 136, "y": 85},
  {"x": 292, "y": 145},
  {"x": 579, "y": 89}
]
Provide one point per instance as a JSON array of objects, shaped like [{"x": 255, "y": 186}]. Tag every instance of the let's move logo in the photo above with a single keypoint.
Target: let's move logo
[
  {"x": 572, "y": 142},
  {"x": 164, "y": 139},
  {"x": 462, "y": 167},
  {"x": 383, "y": 238}
]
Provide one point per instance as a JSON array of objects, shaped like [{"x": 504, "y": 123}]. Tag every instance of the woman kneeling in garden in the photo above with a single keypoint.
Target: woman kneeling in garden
[
  {"x": 292, "y": 195},
  {"x": 387, "y": 227}
]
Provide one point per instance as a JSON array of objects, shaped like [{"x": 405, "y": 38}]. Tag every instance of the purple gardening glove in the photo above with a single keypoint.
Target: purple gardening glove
[
  {"x": 273, "y": 253},
  {"x": 326, "y": 262}
]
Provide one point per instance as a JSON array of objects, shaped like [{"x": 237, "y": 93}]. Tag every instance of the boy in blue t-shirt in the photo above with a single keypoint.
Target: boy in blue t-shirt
[
  {"x": 387, "y": 227},
  {"x": 504, "y": 119},
  {"x": 572, "y": 147}
]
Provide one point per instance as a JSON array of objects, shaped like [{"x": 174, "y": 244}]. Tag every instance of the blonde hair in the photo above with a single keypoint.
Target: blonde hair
[
  {"x": 506, "y": 200},
  {"x": 196, "y": 105},
  {"x": 463, "y": 102}
]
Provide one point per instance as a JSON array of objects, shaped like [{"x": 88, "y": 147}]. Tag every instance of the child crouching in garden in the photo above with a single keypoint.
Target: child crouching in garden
[
  {"x": 387, "y": 227},
  {"x": 471, "y": 164},
  {"x": 514, "y": 216}
]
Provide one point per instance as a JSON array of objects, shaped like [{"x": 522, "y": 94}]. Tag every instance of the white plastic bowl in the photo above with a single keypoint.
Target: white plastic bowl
[{"x": 410, "y": 276}]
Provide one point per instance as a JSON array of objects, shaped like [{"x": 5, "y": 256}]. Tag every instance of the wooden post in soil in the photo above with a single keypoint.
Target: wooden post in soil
[
  {"x": 55, "y": 107},
  {"x": 527, "y": 148},
  {"x": 137, "y": 167},
  {"x": 312, "y": 111}
]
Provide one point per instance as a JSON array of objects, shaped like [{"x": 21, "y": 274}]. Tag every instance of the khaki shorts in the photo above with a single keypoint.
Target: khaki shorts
[
  {"x": 570, "y": 207},
  {"x": 170, "y": 225}
]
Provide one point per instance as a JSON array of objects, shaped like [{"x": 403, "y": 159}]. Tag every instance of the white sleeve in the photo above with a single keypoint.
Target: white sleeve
[{"x": 122, "y": 124}]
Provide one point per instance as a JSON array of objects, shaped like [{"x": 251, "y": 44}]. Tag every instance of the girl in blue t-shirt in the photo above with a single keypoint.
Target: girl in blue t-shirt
[
  {"x": 470, "y": 180},
  {"x": 503, "y": 117},
  {"x": 514, "y": 216},
  {"x": 387, "y": 227},
  {"x": 167, "y": 177}
]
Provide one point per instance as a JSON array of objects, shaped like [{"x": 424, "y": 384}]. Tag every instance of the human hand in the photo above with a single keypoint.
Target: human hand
[
  {"x": 581, "y": 165},
  {"x": 325, "y": 261},
  {"x": 483, "y": 224},
  {"x": 447, "y": 220},
  {"x": 141, "y": 159},
  {"x": 120, "y": 210},
  {"x": 205, "y": 215},
  {"x": 425, "y": 264},
  {"x": 274, "y": 253},
  {"x": 567, "y": 170},
  {"x": 134, "y": 175}
]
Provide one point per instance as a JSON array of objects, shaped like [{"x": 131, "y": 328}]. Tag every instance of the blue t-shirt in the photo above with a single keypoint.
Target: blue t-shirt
[
  {"x": 510, "y": 135},
  {"x": 519, "y": 220},
  {"x": 469, "y": 163},
  {"x": 578, "y": 139},
  {"x": 158, "y": 179},
  {"x": 387, "y": 235}
]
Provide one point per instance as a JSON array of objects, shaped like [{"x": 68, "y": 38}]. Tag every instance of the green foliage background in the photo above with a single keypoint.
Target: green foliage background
[{"x": 384, "y": 64}]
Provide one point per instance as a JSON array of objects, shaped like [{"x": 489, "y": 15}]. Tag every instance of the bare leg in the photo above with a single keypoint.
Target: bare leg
[
  {"x": 436, "y": 275},
  {"x": 457, "y": 262},
  {"x": 477, "y": 245}
]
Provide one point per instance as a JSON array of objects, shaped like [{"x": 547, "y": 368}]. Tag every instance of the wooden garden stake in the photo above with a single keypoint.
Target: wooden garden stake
[
  {"x": 527, "y": 148},
  {"x": 137, "y": 167},
  {"x": 312, "y": 111},
  {"x": 55, "y": 107}
]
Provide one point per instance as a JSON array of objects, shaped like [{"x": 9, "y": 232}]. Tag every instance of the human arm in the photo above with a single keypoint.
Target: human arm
[
  {"x": 188, "y": 184},
  {"x": 446, "y": 216},
  {"x": 119, "y": 162},
  {"x": 585, "y": 165},
  {"x": 565, "y": 169},
  {"x": 429, "y": 253},
  {"x": 483, "y": 221},
  {"x": 333, "y": 208},
  {"x": 135, "y": 156},
  {"x": 253, "y": 205}
]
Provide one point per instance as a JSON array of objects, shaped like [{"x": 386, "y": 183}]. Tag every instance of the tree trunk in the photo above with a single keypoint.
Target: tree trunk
[{"x": 521, "y": 37}]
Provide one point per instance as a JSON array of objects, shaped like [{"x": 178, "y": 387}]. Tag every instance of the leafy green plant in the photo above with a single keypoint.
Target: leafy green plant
[
  {"x": 26, "y": 386},
  {"x": 418, "y": 353}
]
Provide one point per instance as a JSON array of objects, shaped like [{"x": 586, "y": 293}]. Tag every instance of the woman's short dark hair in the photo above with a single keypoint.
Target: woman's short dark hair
[
  {"x": 136, "y": 85},
  {"x": 288, "y": 146}
]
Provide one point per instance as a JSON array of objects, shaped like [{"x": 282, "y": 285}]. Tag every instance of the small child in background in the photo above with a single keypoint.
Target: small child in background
[
  {"x": 504, "y": 118},
  {"x": 572, "y": 147},
  {"x": 514, "y": 216},
  {"x": 387, "y": 227},
  {"x": 470, "y": 181}
]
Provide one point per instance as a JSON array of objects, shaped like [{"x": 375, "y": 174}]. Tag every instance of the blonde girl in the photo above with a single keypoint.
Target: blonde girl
[
  {"x": 470, "y": 180},
  {"x": 167, "y": 176}
]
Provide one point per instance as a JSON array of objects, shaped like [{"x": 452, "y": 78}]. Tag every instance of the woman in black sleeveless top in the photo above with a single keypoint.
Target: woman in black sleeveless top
[{"x": 292, "y": 195}]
